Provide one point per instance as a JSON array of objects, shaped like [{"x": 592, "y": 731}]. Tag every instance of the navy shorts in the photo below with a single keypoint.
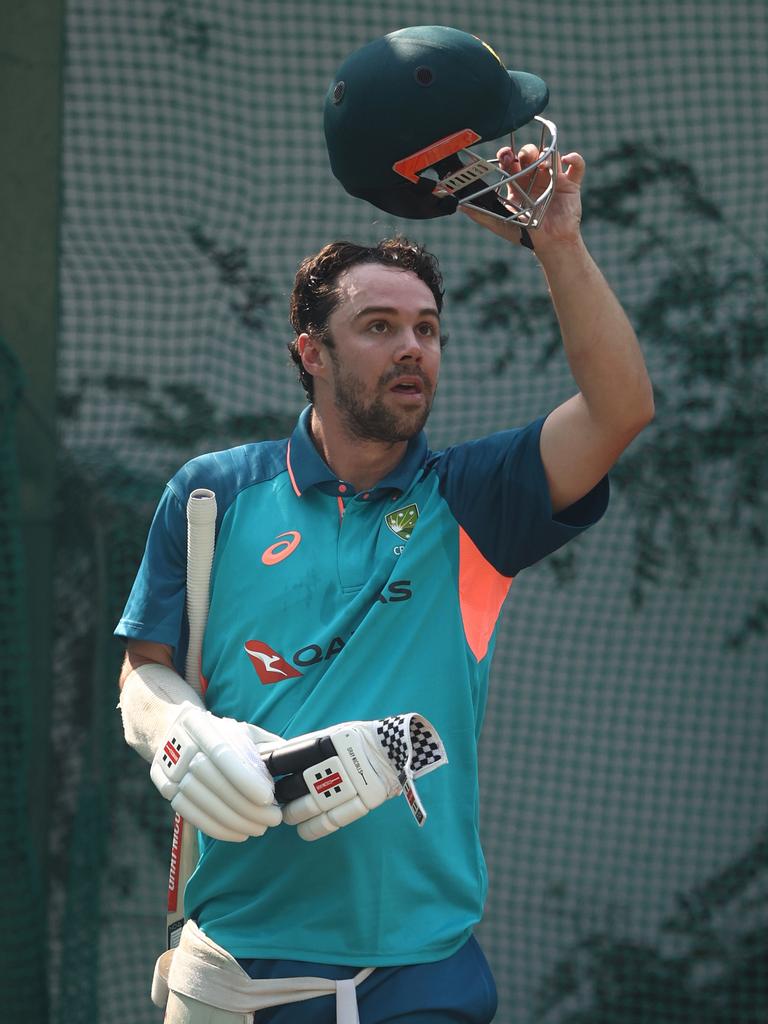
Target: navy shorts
[{"x": 457, "y": 990}]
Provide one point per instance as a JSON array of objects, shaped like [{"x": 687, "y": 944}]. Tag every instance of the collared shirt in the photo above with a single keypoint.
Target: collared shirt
[
  {"x": 331, "y": 605},
  {"x": 306, "y": 467}
]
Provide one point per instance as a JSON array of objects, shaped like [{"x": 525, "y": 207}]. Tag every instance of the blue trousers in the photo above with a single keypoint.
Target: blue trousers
[{"x": 457, "y": 990}]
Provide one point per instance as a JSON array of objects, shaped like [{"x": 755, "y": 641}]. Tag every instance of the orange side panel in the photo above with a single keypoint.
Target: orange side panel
[
  {"x": 409, "y": 166},
  {"x": 482, "y": 590}
]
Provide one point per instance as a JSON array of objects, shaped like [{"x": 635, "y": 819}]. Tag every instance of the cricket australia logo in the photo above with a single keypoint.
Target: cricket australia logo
[{"x": 402, "y": 521}]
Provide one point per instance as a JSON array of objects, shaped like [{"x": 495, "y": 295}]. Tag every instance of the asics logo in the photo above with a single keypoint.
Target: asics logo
[{"x": 285, "y": 544}]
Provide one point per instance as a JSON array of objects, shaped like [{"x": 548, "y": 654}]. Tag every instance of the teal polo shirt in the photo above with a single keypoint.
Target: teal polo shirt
[{"x": 331, "y": 605}]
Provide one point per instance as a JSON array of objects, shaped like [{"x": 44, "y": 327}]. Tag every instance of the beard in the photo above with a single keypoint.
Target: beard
[{"x": 371, "y": 419}]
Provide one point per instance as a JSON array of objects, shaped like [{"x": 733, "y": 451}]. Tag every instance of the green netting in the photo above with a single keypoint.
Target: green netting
[
  {"x": 22, "y": 968},
  {"x": 628, "y": 705}
]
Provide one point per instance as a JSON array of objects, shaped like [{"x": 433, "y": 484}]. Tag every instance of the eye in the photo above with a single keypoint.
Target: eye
[
  {"x": 427, "y": 329},
  {"x": 378, "y": 327}
]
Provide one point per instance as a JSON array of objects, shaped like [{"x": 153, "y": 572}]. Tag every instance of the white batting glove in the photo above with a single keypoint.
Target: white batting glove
[
  {"x": 332, "y": 777},
  {"x": 211, "y": 771}
]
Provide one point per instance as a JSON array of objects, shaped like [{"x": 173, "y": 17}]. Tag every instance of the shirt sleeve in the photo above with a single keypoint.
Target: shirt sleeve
[
  {"x": 497, "y": 490},
  {"x": 155, "y": 606}
]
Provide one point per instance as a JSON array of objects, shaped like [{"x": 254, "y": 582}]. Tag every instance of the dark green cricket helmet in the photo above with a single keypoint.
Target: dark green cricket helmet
[{"x": 402, "y": 112}]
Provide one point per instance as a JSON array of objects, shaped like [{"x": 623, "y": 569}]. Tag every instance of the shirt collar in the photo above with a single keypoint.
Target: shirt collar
[{"x": 307, "y": 469}]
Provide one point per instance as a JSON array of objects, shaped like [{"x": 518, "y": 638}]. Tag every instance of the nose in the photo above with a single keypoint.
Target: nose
[{"x": 410, "y": 346}]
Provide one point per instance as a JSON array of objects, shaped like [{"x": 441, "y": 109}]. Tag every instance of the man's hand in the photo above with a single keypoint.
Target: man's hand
[
  {"x": 211, "y": 771},
  {"x": 339, "y": 774},
  {"x": 561, "y": 222}
]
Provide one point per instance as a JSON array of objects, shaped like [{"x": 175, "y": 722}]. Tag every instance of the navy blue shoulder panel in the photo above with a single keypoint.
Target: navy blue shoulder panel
[
  {"x": 229, "y": 472},
  {"x": 496, "y": 489},
  {"x": 155, "y": 609}
]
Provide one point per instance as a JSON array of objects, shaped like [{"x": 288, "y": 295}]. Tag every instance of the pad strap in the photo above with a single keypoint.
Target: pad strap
[{"x": 201, "y": 969}]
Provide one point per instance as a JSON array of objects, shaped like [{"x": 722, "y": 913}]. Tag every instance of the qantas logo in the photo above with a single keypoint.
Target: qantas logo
[
  {"x": 285, "y": 544},
  {"x": 270, "y": 666}
]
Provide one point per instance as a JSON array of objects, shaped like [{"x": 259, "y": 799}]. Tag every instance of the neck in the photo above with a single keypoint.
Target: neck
[{"x": 363, "y": 463}]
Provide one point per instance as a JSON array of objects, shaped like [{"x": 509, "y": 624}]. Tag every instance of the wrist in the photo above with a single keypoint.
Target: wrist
[
  {"x": 561, "y": 254},
  {"x": 553, "y": 248},
  {"x": 151, "y": 699}
]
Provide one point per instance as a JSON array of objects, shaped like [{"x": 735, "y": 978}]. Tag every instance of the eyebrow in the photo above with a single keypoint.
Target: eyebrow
[{"x": 394, "y": 311}]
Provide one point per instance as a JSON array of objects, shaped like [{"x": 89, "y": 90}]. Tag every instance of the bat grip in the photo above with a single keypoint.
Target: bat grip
[{"x": 287, "y": 764}]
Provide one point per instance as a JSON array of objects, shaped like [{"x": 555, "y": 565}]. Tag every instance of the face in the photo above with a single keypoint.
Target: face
[{"x": 384, "y": 360}]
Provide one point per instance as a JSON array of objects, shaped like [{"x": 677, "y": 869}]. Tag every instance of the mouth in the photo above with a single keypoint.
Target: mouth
[{"x": 412, "y": 387}]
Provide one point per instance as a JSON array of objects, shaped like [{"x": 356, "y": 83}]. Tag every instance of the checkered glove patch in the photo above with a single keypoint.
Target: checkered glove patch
[
  {"x": 328, "y": 779},
  {"x": 410, "y": 742}
]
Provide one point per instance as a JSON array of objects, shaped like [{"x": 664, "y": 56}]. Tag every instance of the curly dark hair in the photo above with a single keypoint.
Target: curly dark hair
[{"x": 315, "y": 292}]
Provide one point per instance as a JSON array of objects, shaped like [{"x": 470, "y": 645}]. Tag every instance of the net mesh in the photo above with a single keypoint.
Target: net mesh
[
  {"x": 624, "y": 755},
  {"x": 21, "y": 895}
]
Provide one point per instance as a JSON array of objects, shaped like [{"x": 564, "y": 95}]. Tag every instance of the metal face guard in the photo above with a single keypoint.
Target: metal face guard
[{"x": 481, "y": 184}]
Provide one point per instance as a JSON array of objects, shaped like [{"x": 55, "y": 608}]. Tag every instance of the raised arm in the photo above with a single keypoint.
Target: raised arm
[{"x": 582, "y": 438}]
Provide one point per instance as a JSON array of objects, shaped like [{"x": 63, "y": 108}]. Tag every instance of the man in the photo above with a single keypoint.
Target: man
[{"x": 359, "y": 576}]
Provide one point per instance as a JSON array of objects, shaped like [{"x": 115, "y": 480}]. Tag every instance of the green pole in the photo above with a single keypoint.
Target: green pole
[{"x": 31, "y": 43}]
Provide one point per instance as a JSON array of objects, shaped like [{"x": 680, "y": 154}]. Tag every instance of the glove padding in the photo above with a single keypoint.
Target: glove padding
[
  {"x": 330, "y": 778},
  {"x": 211, "y": 771}
]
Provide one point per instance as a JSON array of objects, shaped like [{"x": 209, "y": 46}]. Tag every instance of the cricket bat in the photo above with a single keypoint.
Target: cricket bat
[{"x": 201, "y": 532}]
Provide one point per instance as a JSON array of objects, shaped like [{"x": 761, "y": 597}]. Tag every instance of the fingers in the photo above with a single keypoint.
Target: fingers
[
  {"x": 528, "y": 154},
  {"x": 575, "y": 166},
  {"x": 252, "y": 780},
  {"x": 203, "y": 823},
  {"x": 195, "y": 794},
  {"x": 503, "y": 228},
  {"x": 236, "y": 757},
  {"x": 342, "y": 788},
  {"x": 212, "y": 773},
  {"x": 331, "y": 821},
  {"x": 524, "y": 184},
  {"x": 511, "y": 162},
  {"x": 316, "y": 828},
  {"x": 300, "y": 810},
  {"x": 222, "y": 790}
]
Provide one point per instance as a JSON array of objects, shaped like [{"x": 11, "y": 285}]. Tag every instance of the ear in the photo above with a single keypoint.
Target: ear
[{"x": 313, "y": 354}]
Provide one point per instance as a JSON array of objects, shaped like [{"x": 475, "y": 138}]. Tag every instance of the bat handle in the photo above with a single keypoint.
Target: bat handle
[
  {"x": 288, "y": 764},
  {"x": 297, "y": 757}
]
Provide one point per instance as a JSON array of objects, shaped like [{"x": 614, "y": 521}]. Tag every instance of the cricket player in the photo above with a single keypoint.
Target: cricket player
[{"x": 357, "y": 585}]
